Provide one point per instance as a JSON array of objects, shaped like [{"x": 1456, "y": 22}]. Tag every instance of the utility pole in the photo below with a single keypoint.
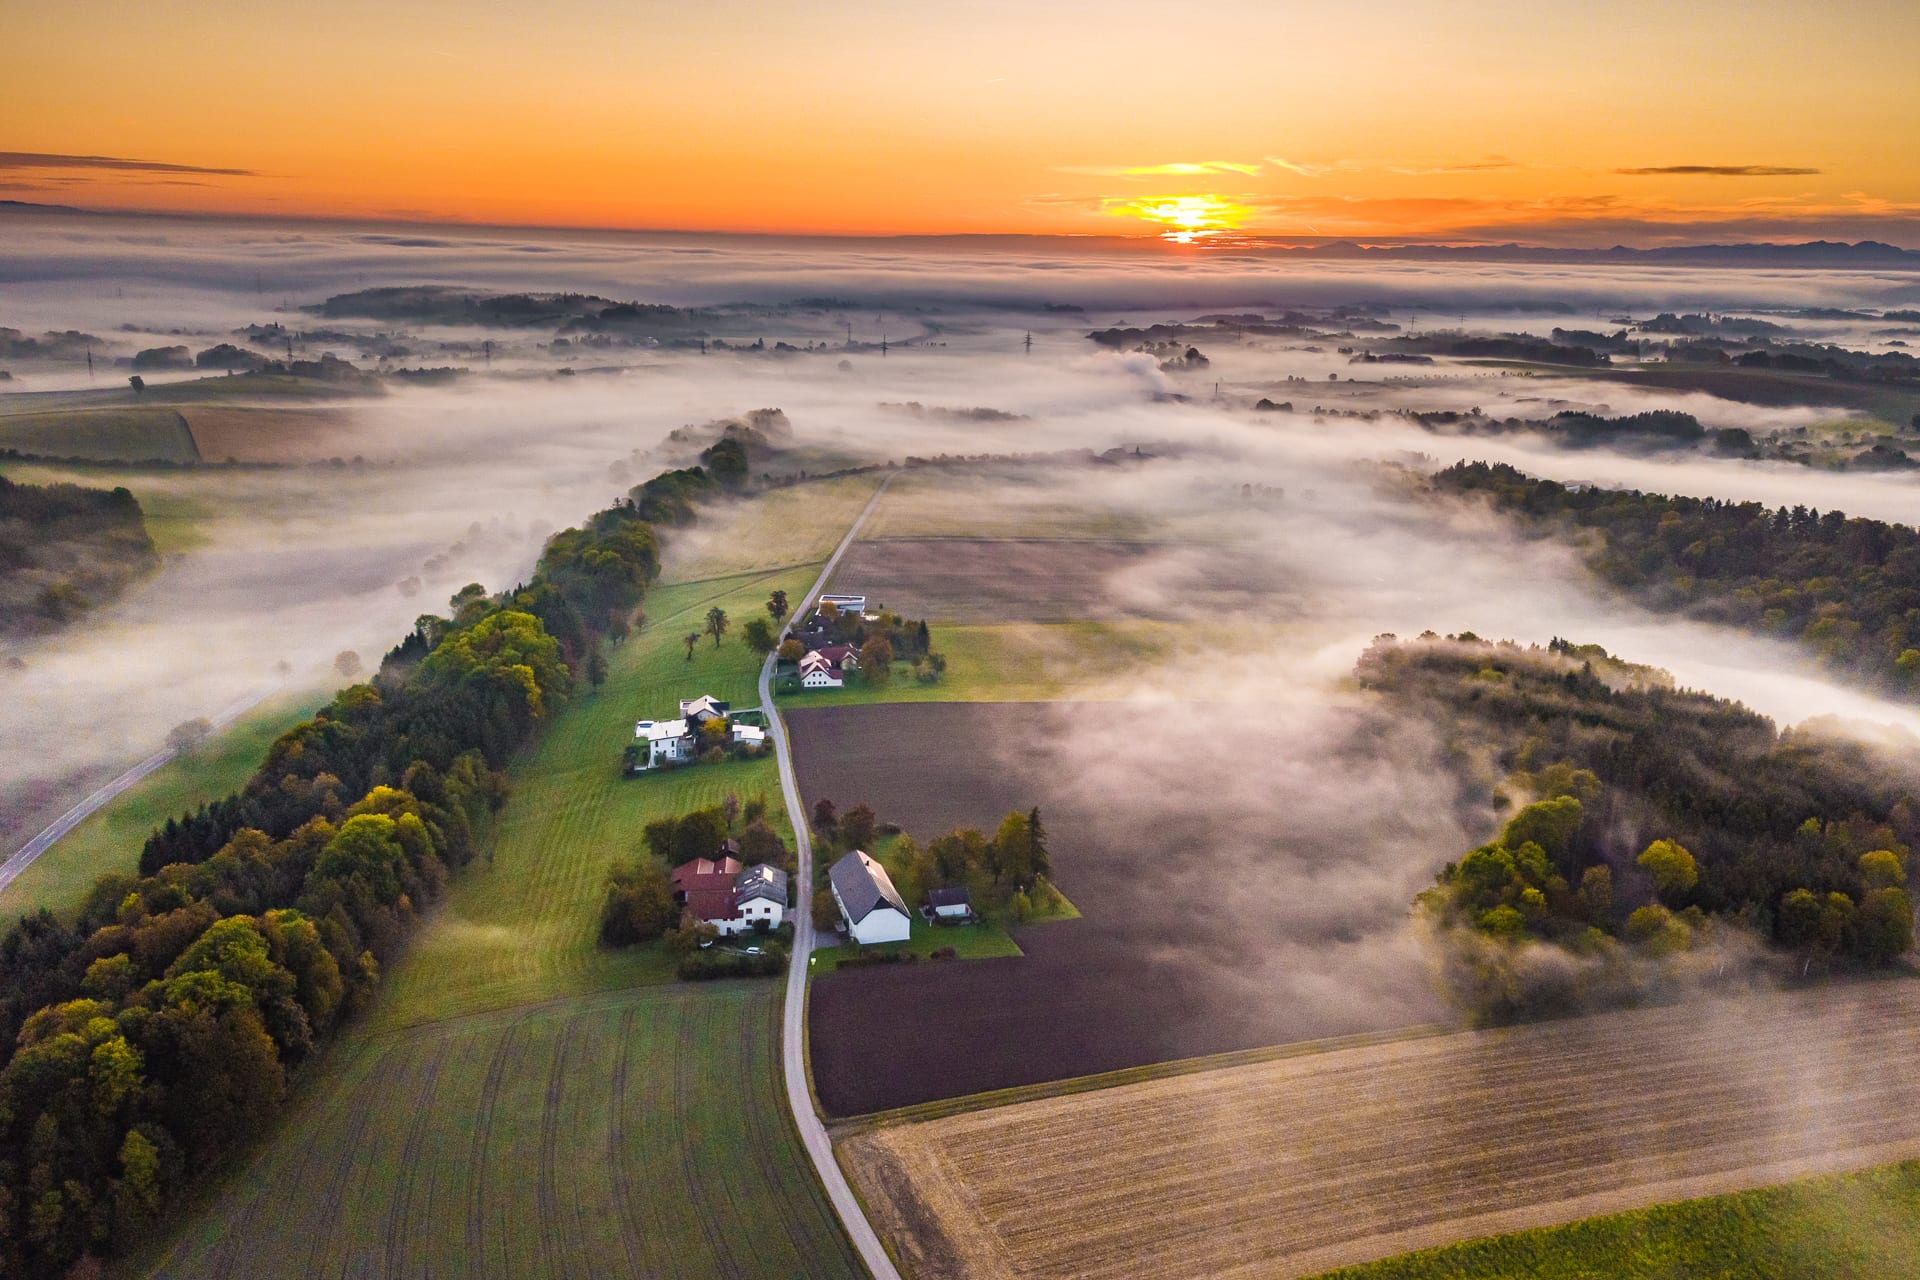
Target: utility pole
[
  {"x": 849, "y": 335},
  {"x": 487, "y": 346},
  {"x": 89, "y": 364},
  {"x": 883, "y": 345},
  {"x": 1029, "y": 342}
]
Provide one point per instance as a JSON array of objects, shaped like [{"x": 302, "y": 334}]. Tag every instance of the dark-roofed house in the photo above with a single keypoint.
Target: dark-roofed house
[
  {"x": 730, "y": 899},
  {"x": 868, "y": 902},
  {"x": 950, "y": 905}
]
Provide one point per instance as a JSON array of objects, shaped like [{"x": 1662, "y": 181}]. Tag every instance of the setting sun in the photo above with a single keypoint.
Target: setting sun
[{"x": 1187, "y": 218}]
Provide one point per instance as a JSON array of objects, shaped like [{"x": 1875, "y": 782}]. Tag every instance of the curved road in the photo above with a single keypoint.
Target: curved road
[
  {"x": 24, "y": 857},
  {"x": 793, "y": 1046}
]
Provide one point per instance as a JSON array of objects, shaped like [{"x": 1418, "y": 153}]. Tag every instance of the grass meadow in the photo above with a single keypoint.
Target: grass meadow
[
  {"x": 1864, "y": 1224},
  {"x": 521, "y": 1102}
]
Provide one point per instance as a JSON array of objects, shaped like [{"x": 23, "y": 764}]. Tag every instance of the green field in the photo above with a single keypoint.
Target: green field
[
  {"x": 111, "y": 839},
  {"x": 521, "y": 1102},
  {"x": 129, "y": 433},
  {"x": 1864, "y": 1225},
  {"x": 635, "y": 1133}
]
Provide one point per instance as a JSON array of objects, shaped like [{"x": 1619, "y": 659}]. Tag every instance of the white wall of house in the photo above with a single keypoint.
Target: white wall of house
[
  {"x": 958, "y": 911},
  {"x": 820, "y": 678},
  {"x": 750, "y": 914},
  {"x": 883, "y": 924}
]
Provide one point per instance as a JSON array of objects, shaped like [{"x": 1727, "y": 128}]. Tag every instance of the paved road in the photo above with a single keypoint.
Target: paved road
[
  {"x": 793, "y": 1048},
  {"x": 24, "y": 856}
]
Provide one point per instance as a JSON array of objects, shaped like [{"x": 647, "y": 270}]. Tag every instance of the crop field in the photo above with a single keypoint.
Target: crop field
[
  {"x": 799, "y": 525},
  {"x": 250, "y": 433},
  {"x": 1289, "y": 1167},
  {"x": 1161, "y": 965},
  {"x": 1004, "y": 502},
  {"x": 1043, "y": 579},
  {"x": 639, "y": 1133},
  {"x": 111, "y": 839},
  {"x": 130, "y": 433}
]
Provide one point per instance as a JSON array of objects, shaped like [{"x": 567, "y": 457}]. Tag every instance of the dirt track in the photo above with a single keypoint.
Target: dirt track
[{"x": 1292, "y": 1167}]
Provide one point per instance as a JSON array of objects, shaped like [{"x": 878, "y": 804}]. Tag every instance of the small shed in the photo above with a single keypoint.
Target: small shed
[{"x": 949, "y": 905}]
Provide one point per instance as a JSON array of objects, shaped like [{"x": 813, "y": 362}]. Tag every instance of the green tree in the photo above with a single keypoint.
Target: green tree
[
  {"x": 759, "y": 636},
  {"x": 1551, "y": 824},
  {"x": 1797, "y": 923},
  {"x": 1672, "y": 868},
  {"x": 639, "y": 905},
  {"x": 140, "y": 1169},
  {"x": 692, "y": 639},
  {"x": 1596, "y": 893},
  {"x": 876, "y": 660},
  {"x": 716, "y": 624},
  {"x": 1659, "y": 930},
  {"x": 596, "y": 667},
  {"x": 1884, "y": 928},
  {"x": 1882, "y": 869},
  {"x": 826, "y": 912},
  {"x": 777, "y": 606},
  {"x": 857, "y": 827}
]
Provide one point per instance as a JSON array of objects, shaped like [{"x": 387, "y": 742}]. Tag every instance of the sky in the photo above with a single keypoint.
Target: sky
[{"x": 1592, "y": 123}]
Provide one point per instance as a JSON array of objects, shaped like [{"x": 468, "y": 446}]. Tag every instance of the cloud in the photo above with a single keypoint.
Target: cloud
[
  {"x": 1718, "y": 171},
  {"x": 52, "y": 160},
  {"x": 1304, "y": 170},
  {"x": 1479, "y": 166},
  {"x": 1173, "y": 169}
]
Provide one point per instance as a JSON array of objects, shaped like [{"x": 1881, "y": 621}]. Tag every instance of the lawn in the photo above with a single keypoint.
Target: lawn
[
  {"x": 111, "y": 839},
  {"x": 983, "y": 941},
  {"x": 1854, "y": 1224},
  {"x": 519, "y": 925},
  {"x": 638, "y": 1133}
]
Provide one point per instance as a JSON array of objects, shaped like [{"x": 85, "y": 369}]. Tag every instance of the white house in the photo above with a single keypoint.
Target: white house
[
  {"x": 749, "y": 735},
  {"x": 817, "y": 672},
  {"x": 661, "y": 741},
  {"x": 868, "y": 902},
  {"x": 704, "y": 708},
  {"x": 732, "y": 900},
  {"x": 856, "y": 605}
]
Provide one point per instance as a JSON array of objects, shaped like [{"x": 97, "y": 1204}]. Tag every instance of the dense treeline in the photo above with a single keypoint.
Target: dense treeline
[
  {"x": 143, "y": 1039},
  {"x": 1647, "y": 817},
  {"x": 65, "y": 548},
  {"x": 1846, "y": 588}
]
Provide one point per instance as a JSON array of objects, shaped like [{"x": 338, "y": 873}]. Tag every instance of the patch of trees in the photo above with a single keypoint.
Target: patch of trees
[
  {"x": 882, "y": 641},
  {"x": 1005, "y": 874},
  {"x": 139, "y": 1043},
  {"x": 441, "y": 304},
  {"x": 1848, "y": 589},
  {"x": 1646, "y": 822},
  {"x": 68, "y": 344},
  {"x": 65, "y": 548},
  {"x": 162, "y": 358}
]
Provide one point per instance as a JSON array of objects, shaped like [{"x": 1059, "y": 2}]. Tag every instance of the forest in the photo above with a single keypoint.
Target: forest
[
  {"x": 1845, "y": 588},
  {"x": 65, "y": 549},
  {"x": 1646, "y": 822},
  {"x": 144, "y": 1038}
]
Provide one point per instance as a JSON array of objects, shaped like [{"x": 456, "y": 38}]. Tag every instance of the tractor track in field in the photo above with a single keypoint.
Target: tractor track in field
[
  {"x": 400, "y": 1214},
  {"x": 699, "y": 1190},
  {"x": 477, "y": 1148},
  {"x": 546, "y": 1188},
  {"x": 619, "y": 1164}
]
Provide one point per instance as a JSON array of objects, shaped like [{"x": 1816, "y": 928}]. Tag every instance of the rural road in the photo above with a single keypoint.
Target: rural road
[
  {"x": 24, "y": 856},
  {"x": 793, "y": 1039}
]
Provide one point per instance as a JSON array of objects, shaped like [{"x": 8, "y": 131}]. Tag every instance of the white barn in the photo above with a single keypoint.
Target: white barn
[{"x": 868, "y": 902}]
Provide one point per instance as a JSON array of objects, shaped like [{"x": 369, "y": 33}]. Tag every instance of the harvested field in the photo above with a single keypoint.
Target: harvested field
[
  {"x": 1047, "y": 579},
  {"x": 245, "y": 433},
  {"x": 133, "y": 433},
  {"x": 1165, "y": 962},
  {"x": 1294, "y": 1166},
  {"x": 639, "y": 1133}
]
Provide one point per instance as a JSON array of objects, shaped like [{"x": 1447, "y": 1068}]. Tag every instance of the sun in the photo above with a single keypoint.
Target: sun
[{"x": 1187, "y": 218}]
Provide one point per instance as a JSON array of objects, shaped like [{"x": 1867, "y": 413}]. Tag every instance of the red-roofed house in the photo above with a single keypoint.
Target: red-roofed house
[{"x": 730, "y": 899}]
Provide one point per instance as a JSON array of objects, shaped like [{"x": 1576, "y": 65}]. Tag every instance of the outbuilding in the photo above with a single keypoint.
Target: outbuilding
[
  {"x": 868, "y": 902},
  {"x": 951, "y": 905}
]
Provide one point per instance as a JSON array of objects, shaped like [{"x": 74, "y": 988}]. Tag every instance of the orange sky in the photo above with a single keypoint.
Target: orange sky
[{"x": 1462, "y": 120}]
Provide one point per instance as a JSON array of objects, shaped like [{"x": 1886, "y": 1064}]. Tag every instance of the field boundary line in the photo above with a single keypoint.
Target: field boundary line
[
  {"x": 941, "y": 1108},
  {"x": 793, "y": 1037}
]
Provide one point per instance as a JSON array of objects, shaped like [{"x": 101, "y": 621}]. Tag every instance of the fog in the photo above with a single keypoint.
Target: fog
[{"x": 1336, "y": 814}]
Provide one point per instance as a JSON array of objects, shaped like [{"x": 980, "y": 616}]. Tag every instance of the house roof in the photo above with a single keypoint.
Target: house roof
[
  {"x": 836, "y": 653},
  {"x": 749, "y": 733},
  {"x": 704, "y": 707},
  {"x": 659, "y": 730},
  {"x": 705, "y": 873},
  {"x": 863, "y": 886},
  {"x": 762, "y": 881},
  {"x": 950, "y": 896}
]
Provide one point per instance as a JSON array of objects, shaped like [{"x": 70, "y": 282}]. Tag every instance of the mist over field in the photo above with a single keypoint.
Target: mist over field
[{"x": 288, "y": 567}]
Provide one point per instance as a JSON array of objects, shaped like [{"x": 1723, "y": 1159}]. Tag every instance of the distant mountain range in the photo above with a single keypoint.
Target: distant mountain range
[{"x": 1829, "y": 254}]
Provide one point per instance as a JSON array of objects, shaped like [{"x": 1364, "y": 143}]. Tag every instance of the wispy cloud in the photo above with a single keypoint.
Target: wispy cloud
[
  {"x": 1477, "y": 166},
  {"x": 1304, "y": 170},
  {"x": 1718, "y": 171},
  {"x": 1173, "y": 169},
  {"x": 17, "y": 160}
]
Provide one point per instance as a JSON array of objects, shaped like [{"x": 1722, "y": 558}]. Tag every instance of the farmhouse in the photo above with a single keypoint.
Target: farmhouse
[
  {"x": 816, "y": 672},
  {"x": 731, "y": 899},
  {"x": 868, "y": 902},
  {"x": 662, "y": 742},
  {"x": 704, "y": 708},
  {"x": 952, "y": 905}
]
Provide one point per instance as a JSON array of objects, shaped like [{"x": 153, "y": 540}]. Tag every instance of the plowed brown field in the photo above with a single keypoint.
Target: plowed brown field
[{"x": 1290, "y": 1167}]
